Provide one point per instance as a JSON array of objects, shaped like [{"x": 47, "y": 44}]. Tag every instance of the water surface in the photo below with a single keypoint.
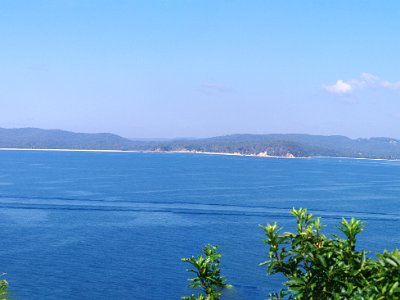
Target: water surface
[{"x": 87, "y": 225}]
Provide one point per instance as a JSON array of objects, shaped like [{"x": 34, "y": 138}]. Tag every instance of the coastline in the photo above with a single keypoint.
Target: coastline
[
  {"x": 66, "y": 150},
  {"x": 142, "y": 151},
  {"x": 260, "y": 155}
]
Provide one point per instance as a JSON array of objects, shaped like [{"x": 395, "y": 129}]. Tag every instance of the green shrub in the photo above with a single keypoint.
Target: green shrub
[
  {"x": 3, "y": 289},
  {"x": 208, "y": 274},
  {"x": 316, "y": 267},
  {"x": 319, "y": 267}
]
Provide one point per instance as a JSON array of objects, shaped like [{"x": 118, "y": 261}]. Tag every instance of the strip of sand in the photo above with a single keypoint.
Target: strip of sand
[
  {"x": 261, "y": 155},
  {"x": 146, "y": 151}
]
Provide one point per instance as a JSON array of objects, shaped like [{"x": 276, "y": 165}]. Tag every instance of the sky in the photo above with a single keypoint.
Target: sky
[{"x": 200, "y": 68}]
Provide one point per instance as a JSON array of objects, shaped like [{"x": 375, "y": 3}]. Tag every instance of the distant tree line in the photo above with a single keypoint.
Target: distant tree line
[{"x": 297, "y": 145}]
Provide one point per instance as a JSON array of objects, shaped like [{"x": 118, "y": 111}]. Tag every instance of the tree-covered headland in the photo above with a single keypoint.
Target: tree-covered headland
[{"x": 273, "y": 145}]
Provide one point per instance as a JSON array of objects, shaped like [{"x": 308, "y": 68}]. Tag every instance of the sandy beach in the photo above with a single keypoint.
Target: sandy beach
[
  {"x": 147, "y": 151},
  {"x": 260, "y": 155}
]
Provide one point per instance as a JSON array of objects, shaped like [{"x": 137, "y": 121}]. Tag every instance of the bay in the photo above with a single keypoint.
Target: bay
[{"x": 93, "y": 225}]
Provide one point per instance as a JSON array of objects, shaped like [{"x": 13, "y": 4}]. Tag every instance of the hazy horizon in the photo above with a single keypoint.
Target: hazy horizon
[{"x": 176, "y": 69}]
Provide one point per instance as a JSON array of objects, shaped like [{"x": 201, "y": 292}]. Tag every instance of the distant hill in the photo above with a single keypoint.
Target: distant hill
[
  {"x": 34, "y": 138},
  {"x": 297, "y": 145}
]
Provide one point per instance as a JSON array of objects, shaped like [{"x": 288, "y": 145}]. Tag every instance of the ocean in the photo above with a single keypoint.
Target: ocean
[{"x": 93, "y": 225}]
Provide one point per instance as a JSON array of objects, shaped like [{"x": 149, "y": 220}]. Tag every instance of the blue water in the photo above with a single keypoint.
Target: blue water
[{"x": 80, "y": 225}]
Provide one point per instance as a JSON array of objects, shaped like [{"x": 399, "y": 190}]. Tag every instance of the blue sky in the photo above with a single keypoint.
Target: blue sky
[{"x": 196, "y": 68}]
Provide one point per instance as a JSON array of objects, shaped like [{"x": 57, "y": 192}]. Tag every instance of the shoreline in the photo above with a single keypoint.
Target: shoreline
[
  {"x": 143, "y": 151},
  {"x": 261, "y": 155}
]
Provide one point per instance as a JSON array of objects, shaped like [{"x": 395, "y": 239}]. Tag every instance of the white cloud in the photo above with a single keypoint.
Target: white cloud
[
  {"x": 369, "y": 77},
  {"x": 340, "y": 87},
  {"x": 390, "y": 85},
  {"x": 366, "y": 80}
]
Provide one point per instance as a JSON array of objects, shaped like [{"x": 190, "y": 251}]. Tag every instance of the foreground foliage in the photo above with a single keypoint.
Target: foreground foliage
[
  {"x": 319, "y": 267},
  {"x": 3, "y": 289},
  {"x": 208, "y": 274},
  {"x": 316, "y": 267}
]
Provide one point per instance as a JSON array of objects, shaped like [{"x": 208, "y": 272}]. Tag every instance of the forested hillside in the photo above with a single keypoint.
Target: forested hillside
[{"x": 297, "y": 145}]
